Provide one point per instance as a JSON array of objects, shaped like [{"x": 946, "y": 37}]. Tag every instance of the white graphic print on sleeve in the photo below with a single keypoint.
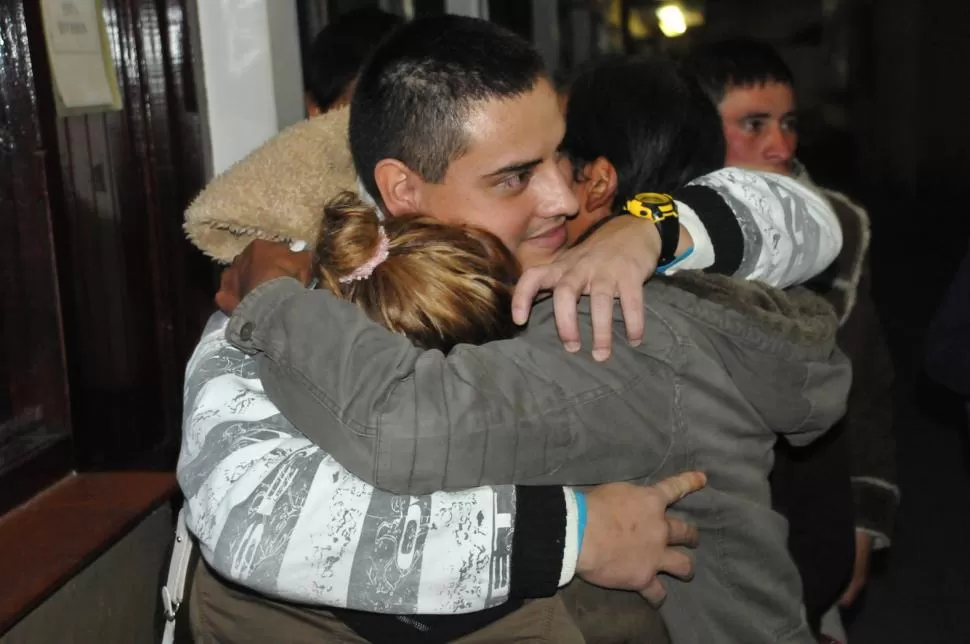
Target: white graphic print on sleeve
[{"x": 274, "y": 513}]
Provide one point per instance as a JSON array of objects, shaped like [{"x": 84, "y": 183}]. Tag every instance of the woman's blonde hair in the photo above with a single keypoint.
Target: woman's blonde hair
[{"x": 440, "y": 285}]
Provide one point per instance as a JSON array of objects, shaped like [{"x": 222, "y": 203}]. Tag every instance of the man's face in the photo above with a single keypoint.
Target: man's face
[
  {"x": 509, "y": 180},
  {"x": 760, "y": 126}
]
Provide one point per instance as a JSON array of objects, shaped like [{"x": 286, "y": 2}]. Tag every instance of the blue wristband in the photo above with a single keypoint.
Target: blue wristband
[
  {"x": 675, "y": 260},
  {"x": 580, "y": 518}
]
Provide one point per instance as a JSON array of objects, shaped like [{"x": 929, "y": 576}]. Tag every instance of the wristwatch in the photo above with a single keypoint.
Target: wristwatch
[{"x": 661, "y": 209}]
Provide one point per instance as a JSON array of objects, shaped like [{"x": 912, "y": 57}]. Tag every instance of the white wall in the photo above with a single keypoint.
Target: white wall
[
  {"x": 473, "y": 8},
  {"x": 545, "y": 32},
  {"x": 248, "y": 74}
]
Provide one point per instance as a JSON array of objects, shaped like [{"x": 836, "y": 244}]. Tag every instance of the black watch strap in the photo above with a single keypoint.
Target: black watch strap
[
  {"x": 669, "y": 239},
  {"x": 658, "y": 208}
]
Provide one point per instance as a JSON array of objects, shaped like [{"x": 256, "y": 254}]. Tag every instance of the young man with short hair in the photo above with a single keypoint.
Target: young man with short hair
[
  {"x": 753, "y": 90},
  {"x": 499, "y": 141},
  {"x": 754, "y": 93}
]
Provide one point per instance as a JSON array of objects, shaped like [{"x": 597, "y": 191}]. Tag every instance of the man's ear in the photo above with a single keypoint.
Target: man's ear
[
  {"x": 399, "y": 185},
  {"x": 601, "y": 184}
]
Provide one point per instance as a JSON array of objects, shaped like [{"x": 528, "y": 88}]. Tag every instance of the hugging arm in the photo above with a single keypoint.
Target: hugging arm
[
  {"x": 869, "y": 418},
  {"x": 776, "y": 230},
  {"x": 751, "y": 225},
  {"x": 275, "y": 513},
  {"x": 513, "y": 411}
]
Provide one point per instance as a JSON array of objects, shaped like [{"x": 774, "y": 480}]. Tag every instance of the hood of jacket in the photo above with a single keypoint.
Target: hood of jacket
[
  {"x": 774, "y": 345},
  {"x": 277, "y": 192}
]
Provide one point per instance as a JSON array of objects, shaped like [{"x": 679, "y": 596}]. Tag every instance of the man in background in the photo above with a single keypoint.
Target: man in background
[
  {"x": 754, "y": 92},
  {"x": 336, "y": 55}
]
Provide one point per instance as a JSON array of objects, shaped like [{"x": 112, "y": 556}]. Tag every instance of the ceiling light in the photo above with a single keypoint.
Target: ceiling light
[{"x": 672, "y": 20}]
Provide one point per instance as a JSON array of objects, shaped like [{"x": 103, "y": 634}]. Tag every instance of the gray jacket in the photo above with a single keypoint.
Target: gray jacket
[{"x": 715, "y": 379}]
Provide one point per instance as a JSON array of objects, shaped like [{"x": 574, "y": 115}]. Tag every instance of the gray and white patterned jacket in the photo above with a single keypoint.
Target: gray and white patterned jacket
[{"x": 274, "y": 512}]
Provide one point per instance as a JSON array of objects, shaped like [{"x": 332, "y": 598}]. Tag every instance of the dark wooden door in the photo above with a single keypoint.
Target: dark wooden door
[
  {"x": 136, "y": 289},
  {"x": 34, "y": 409},
  {"x": 102, "y": 295}
]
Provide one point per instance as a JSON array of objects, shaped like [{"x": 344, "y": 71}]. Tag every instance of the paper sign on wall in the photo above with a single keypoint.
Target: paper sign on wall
[{"x": 80, "y": 57}]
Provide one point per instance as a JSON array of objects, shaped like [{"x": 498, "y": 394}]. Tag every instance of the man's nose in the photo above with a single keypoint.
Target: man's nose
[
  {"x": 554, "y": 195},
  {"x": 780, "y": 145}
]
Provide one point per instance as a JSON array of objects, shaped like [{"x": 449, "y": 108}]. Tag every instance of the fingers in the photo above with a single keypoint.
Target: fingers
[
  {"x": 852, "y": 593},
  {"x": 532, "y": 281},
  {"x": 681, "y": 533},
  {"x": 655, "y": 593},
  {"x": 860, "y": 569},
  {"x": 858, "y": 582},
  {"x": 564, "y": 299},
  {"x": 601, "y": 311},
  {"x": 678, "y": 563},
  {"x": 227, "y": 298},
  {"x": 677, "y": 487},
  {"x": 631, "y": 303},
  {"x": 304, "y": 266}
]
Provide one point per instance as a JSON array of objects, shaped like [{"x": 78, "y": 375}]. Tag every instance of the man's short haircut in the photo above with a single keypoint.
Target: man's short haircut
[
  {"x": 738, "y": 63},
  {"x": 648, "y": 118},
  {"x": 414, "y": 96},
  {"x": 339, "y": 50}
]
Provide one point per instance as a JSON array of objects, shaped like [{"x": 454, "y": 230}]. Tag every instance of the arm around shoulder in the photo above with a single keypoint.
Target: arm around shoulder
[
  {"x": 789, "y": 232},
  {"x": 415, "y": 421},
  {"x": 252, "y": 482}
]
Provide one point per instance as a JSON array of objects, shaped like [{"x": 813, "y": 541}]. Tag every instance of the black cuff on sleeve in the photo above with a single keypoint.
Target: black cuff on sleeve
[
  {"x": 538, "y": 542},
  {"x": 722, "y": 226},
  {"x": 875, "y": 508}
]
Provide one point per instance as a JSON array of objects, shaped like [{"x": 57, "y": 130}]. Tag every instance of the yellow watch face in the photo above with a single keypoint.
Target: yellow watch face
[
  {"x": 654, "y": 198},
  {"x": 655, "y": 206}
]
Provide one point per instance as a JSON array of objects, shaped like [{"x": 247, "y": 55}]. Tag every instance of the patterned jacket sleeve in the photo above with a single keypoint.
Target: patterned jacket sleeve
[
  {"x": 274, "y": 513},
  {"x": 788, "y": 232},
  {"x": 869, "y": 418}
]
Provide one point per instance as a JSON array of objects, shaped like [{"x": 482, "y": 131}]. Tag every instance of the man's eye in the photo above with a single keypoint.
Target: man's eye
[
  {"x": 753, "y": 125},
  {"x": 515, "y": 181},
  {"x": 790, "y": 125}
]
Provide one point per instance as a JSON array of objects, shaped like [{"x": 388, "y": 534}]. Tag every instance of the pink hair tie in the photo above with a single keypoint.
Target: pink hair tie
[{"x": 366, "y": 269}]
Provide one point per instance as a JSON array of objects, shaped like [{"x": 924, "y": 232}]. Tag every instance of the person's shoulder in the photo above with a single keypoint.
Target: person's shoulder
[
  {"x": 660, "y": 327},
  {"x": 794, "y": 321}
]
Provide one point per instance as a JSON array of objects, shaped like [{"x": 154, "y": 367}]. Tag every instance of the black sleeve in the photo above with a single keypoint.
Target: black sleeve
[
  {"x": 722, "y": 226},
  {"x": 869, "y": 417},
  {"x": 538, "y": 542}
]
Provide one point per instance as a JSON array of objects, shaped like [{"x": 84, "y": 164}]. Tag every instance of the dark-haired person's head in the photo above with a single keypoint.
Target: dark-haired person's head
[
  {"x": 636, "y": 125},
  {"x": 753, "y": 90},
  {"x": 456, "y": 118},
  {"x": 336, "y": 55}
]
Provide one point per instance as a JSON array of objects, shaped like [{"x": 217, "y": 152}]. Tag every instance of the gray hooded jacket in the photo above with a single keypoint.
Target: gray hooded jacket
[{"x": 725, "y": 366}]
